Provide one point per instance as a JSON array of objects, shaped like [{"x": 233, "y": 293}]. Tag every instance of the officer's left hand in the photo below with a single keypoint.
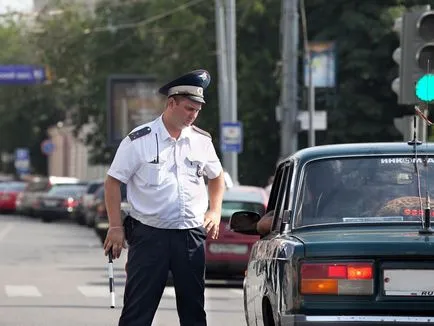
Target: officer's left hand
[{"x": 211, "y": 223}]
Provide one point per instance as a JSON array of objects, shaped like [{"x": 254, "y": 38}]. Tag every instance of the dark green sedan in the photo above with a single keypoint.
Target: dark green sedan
[{"x": 349, "y": 239}]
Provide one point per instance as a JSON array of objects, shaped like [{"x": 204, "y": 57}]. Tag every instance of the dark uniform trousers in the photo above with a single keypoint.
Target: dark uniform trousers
[{"x": 152, "y": 253}]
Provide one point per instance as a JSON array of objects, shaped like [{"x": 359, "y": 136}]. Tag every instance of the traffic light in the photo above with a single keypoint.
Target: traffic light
[
  {"x": 396, "y": 83},
  {"x": 416, "y": 82}
]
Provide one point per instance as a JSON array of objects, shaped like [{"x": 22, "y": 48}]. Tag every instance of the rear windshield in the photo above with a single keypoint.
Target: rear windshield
[
  {"x": 67, "y": 190},
  {"x": 15, "y": 186},
  {"x": 364, "y": 190},
  {"x": 230, "y": 207},
  {"x": 40, "y": 185}
]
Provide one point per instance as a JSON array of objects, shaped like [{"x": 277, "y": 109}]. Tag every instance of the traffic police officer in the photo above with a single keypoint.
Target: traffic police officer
[{"x": 163, "y": 164}]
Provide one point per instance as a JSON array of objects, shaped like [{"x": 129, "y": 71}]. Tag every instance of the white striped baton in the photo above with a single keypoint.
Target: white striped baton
[{"x": 111, "y": 280}]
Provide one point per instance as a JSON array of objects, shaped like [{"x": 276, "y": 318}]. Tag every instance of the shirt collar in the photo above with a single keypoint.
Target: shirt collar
[
  {"x": 185, "y": 133},
  {"x": 162, "y": 131},
  {"x": 164, "y": 134}
]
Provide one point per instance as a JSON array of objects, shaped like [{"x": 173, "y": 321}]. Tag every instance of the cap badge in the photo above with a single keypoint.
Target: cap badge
[
  {"x": 203, "y": 76},
  {"x": 200, "y": 91}
]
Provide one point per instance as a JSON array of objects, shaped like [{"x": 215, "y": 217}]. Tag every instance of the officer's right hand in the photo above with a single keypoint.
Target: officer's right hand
[{"x": 115, "y": 240}]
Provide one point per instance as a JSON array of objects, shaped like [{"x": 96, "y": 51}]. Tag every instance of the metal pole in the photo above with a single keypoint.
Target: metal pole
[
  {"x": 223, "y": 67},
  {"x": 222, "y": 64},
  {"x": 289, "y": 91},
  {"x": 311, "y": 137},
  {"x": 231, "y": 159},
  {"x": 311, "y": 87}
]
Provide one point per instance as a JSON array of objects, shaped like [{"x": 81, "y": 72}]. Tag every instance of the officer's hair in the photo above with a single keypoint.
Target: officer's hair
[{"x": 177, "y": 98}]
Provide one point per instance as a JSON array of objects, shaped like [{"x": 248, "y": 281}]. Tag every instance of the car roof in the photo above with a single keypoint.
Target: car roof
[
  {"x": 246, "y": 194},
  {"x": 359, "y": 149}
]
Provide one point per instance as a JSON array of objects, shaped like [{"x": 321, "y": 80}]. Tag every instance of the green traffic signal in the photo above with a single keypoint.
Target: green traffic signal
[{"x": 425, "y": 88}]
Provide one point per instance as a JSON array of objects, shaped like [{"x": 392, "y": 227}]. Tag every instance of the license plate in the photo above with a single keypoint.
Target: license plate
[
  {"x": 409, "y": 282},
  {"x": 226, "y": 248}
]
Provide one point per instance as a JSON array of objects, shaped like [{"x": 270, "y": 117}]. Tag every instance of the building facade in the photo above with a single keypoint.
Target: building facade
[{"x": 70, "y": 157}]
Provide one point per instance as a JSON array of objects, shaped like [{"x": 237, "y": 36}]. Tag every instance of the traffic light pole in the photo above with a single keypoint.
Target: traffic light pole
[
  {"x": 311, "y": 86},
  {"x": 289, "y": 86},
  {"x": 227, "y": 74}
]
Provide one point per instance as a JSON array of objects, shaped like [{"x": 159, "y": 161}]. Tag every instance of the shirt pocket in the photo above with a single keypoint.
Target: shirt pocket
[
  {"x": 155, "y": 174},
  {"x": 194, "y": 169},
  {"x": 152, "y": 174}
]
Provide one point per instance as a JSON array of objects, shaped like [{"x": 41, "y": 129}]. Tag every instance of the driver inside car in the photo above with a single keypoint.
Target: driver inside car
[
  {"x": 320, "y": 176},
  {"x": 264, "y": 224}
]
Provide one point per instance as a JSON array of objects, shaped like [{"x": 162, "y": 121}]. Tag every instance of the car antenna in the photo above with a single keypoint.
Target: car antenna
[{"x": 426, "y": 222}]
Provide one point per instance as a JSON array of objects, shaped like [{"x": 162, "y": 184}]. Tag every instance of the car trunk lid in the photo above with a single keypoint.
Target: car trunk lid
[
  {"x": 367, "y": 242},
  {"x": 402, "y": 260}
]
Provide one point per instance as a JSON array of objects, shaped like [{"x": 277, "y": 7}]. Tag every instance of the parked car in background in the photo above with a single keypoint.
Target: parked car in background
[
  {"x": 83, "y": 215},
  {"x": 227, "y": 256},
  {"x": 37, "y": 186},
  {"x": 101, "y": 218},
  {"x": 351, "y": 240},
  {"x": 60, "y": 202},
  {"x": 9, "y": 191},
  {"x": 95, "y": 205},
  {"x": 227, "y": 177}
]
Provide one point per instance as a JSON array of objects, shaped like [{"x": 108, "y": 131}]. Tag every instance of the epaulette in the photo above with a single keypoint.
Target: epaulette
[
  {"x": 200, "y": 131},
  {"x": 139, "y": 133}
]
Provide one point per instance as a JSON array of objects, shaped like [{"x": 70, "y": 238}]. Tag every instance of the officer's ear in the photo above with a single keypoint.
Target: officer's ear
[{"x": 171, "y": 102}]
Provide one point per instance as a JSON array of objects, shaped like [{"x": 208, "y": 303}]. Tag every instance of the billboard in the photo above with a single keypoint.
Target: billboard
[
  {"x": 132, "y": 100},
  {"x": 323, "y": 56}
]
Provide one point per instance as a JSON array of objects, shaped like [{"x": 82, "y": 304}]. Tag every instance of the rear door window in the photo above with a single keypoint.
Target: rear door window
[{"x": 281, "y": 196}]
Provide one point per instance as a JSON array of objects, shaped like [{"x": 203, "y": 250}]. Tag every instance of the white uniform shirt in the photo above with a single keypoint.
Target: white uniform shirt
[{"x": 171, "y": 193}]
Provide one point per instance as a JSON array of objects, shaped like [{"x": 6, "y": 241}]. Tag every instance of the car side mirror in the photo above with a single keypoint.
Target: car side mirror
[{"x": 244, "y": 222}]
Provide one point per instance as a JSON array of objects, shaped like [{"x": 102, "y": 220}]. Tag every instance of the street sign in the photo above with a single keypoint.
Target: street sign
[
  {"x": 319, "y": 120},
  {"x": 47, "y": 147},
  {"x": 22, "y": 74},
  {"x": 231, "y": 139},
  {"x": 22, "y": 160}
]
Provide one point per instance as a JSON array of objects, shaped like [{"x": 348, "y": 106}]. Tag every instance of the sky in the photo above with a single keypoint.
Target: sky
[{"x": 15, "y": 5}]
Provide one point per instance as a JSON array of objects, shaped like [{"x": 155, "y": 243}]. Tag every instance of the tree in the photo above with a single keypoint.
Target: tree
[
  {"x": 22, "y": 124},
  {"x": 166, "y": 38}
]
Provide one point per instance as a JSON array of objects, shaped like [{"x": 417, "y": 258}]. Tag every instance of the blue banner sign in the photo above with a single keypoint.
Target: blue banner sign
[
  {"x": 22, "y": 74},
  {"x": 231, "y": 139},
  {"x": 22, "y": 160}
]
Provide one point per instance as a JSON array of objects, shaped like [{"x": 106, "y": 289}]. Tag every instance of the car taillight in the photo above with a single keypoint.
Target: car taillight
[
  {"x": 337, "y": 278},
  {"x": 71, "y": 202}
]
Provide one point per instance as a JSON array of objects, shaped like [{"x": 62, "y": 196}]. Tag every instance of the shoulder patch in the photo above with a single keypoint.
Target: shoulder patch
[
  {"x": 200, "y": 131},
  {"x": 139, "y": 133}
]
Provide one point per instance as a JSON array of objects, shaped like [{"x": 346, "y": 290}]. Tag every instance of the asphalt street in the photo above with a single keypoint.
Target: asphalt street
[{"x": 56, "y": 274}]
